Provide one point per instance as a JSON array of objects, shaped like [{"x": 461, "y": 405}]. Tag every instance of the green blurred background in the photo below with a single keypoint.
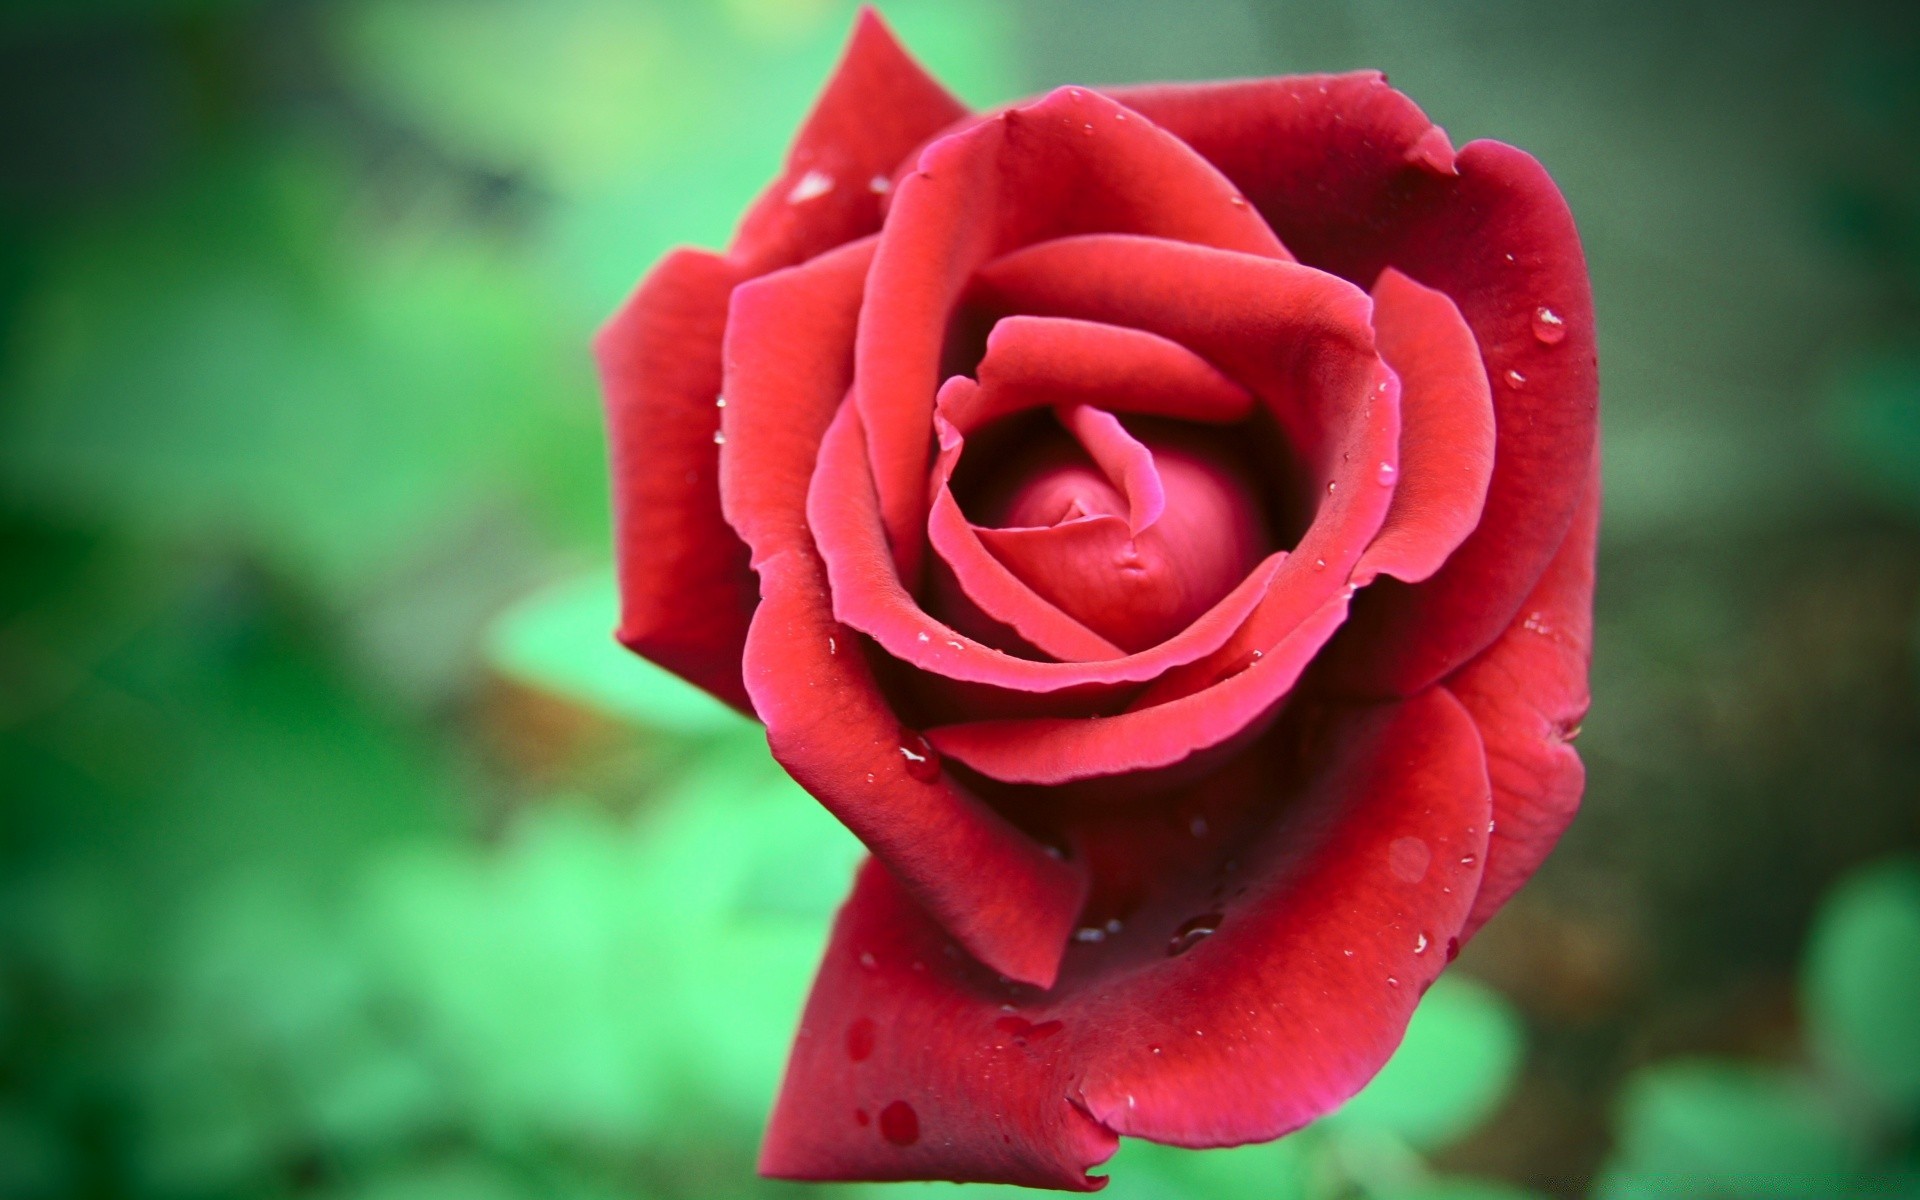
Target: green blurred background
[{"x": 342, "y": 855}]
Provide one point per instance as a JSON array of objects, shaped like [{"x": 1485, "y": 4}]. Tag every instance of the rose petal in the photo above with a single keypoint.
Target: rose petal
[
  {"x": 1126, "y": 462},
  {"x": 1285, "y": 1011},
  {"x": 1528, "y": 693},
  {"x": 878, "y": 106},
  {"x": 1037, "y": 361},
  {"x": 995, "y": 888},
  {"x": 686, "y": 593},
  {"x": 1073, "y": 162},
  {"x": 1355, "y": 179},
  {"x": 1446, "y": 432},
  {"x": 1059, "y": 750}
]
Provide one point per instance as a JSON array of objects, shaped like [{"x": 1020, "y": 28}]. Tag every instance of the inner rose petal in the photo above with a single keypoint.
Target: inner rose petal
[{"x": 1133, "y": 536}]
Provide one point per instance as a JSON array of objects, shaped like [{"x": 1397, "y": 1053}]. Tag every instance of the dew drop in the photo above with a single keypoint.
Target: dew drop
[
  {"x": 1467, "y": 860},
  {"x": 1113, "y": 926},
  {"x": 925, "y": 636},
  {"x": 719, "y": 438},
  {"x": 811, "y": 186},
  {"x": 899, "y": 1124},
  {"x": 1119, "y": 116},
  {"x": 1192, "y": 933},
  {"x": 1348, "y": 953},
  {"x": 860, "y": 1039},
  {"x": 1319, "y": 564},
  {"x": 1076, "y": 93},
  {"x": 719, "y": 401},
  {"x": 867, "y": 960},
  {"x": 1453, "y": 948},
  {"x": 1548, "y": 327},
  {"x": 1089, "y": 130},
  {"x": 1515, "y": 378},
  {"x": 1385, "y": 474},
  {"x": 879, "y": 185},
  {"x": 923, "y": 761},
  {"x": 1239, "y": 201},
  {"x": 1332, "y": 487},
  {"x": 1392, "y": 982},
  {"x": 1090, "y": 934},
  {"x": 833, "y": 647},
  {"x": 1420, "y": 944}
]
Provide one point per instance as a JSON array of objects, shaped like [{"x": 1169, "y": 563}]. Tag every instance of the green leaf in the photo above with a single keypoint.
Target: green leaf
[
  {"x": 1459, "y": 1058},
  {"x": 1702, "y": 1127},
  {"x": 1862, "y": 981},
  {"x": 561, "y": 640}
]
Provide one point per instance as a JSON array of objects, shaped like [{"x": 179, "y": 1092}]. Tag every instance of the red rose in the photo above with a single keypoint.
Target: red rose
[{"x": 1173, "y": 511}]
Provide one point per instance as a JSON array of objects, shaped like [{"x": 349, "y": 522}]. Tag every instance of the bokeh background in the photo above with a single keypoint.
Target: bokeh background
[{"x": 342, "y": 854}]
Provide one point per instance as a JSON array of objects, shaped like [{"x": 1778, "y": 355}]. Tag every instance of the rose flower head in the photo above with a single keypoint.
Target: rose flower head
[{"x": 1159, "y": 522}]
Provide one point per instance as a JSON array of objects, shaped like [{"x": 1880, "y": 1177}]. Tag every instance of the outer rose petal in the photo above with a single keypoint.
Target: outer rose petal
[
  {"x": 686, "y": 593},
  {"x": 1528, "y": 692},
  {"x": 1279, "y": 1016},
  {"x": 878, "y": 106},
  {"x": 1355, "y": 179},
  {"x": 995, "y": 888}
]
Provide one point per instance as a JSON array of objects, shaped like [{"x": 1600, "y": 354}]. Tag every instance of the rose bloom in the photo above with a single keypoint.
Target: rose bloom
[{"x": 1159, "y": 522}]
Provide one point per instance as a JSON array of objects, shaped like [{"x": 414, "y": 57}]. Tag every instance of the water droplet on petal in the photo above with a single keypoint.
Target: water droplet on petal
[
  {"x": 1467, "y": 860},
  {"x": 1319, "y": 564},
  {"x": 719, "y": 401},
  {"x": 719, "y": 438},
  {"x": 1453, "y": 948},
  {"x": 833, "y": 647},
  {"x": 1420, "y": 944},
  {"x": 1515, "y": 378},
  {"x": 899, "y": 1124},
  {"x": 1348, "y": 953},
  {"x": 1392, "y": 982},
  {"x": 1192, "y": 933},
  {"x": 1332, "y": 487},
  {"x": 879, "y": 185},
  {"x": 1239, "y": 201},
  {"x": 925, "y": 636},
  {"x": 1548, "y": 326},
  {"x": 867, "y": 960},
  {"x": 811, "y": 186},
  {"x": 1090, "y": 934},
  {"x": 1385, "y": 473},
  {"x": 923, "y": 761},
  {"x": 860, "y": 1036},
  {"x": 1114, "y": 926}
]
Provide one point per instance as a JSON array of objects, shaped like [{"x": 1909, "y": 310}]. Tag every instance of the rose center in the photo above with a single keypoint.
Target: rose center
[{"x": 1132, "y": 530}]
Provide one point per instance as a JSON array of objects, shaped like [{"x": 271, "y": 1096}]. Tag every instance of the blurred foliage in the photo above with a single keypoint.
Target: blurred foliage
[
  {"x": 343, "y": 855},
  {"x": 1845, "y": 1124}
]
